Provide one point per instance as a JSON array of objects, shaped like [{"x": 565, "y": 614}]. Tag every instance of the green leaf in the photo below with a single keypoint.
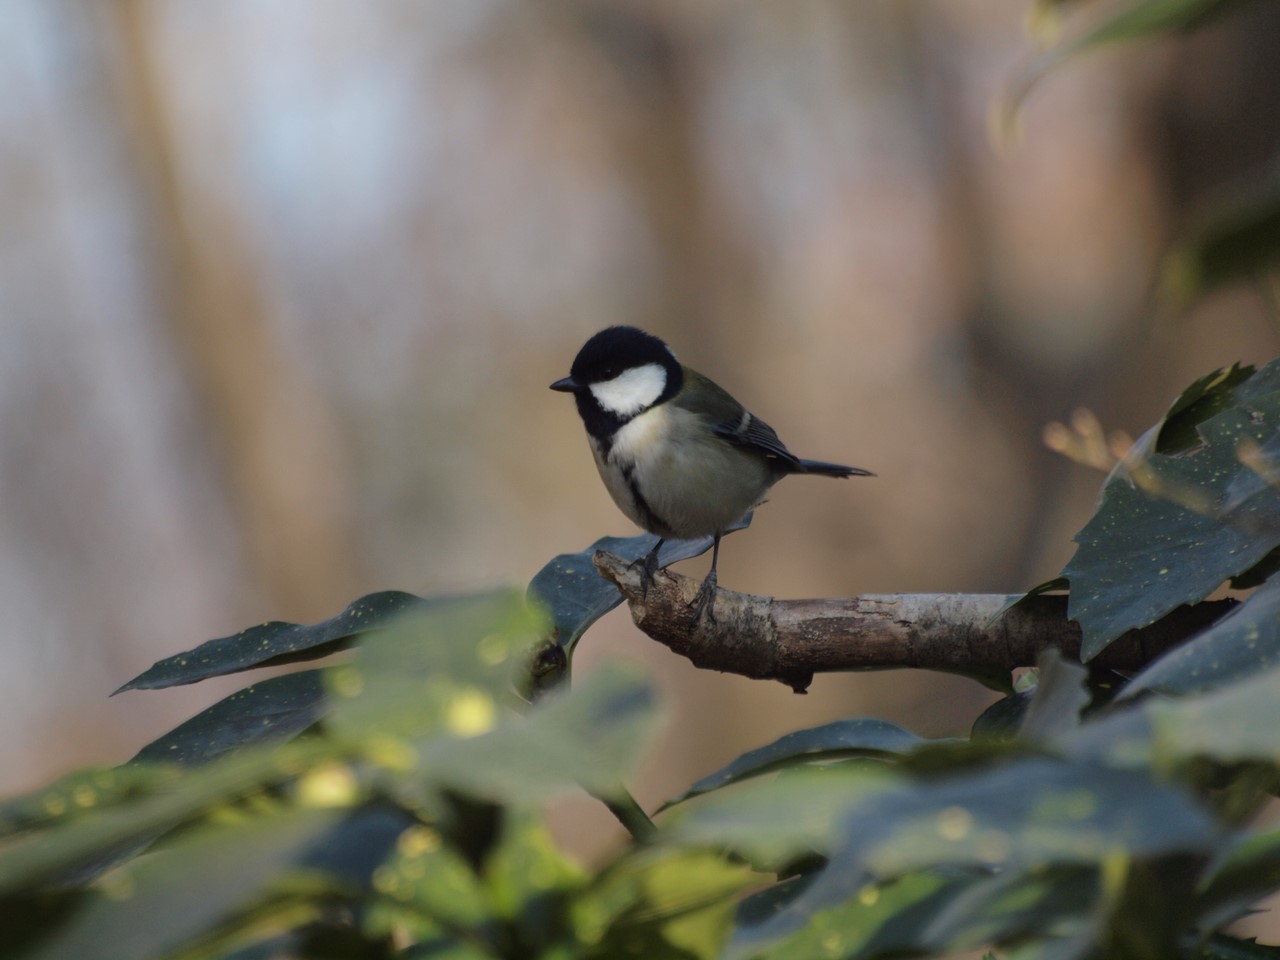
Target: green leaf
[
  {"x": 429, "y": 889},
  {"x": 530, "y": 883},
  {"x": 1220, "y": 946},
  {"x": 661, "y": 904},
  {"x": 843, "y": 738},
  {"x": 578, "y": 596},
  {"x": 1060, "y": 695},
  {"x": 1135, "y": 20},
  {"x": 275, "y": 709},
  {"x": 28, "y": 919},
  {"x": 277, "y": 642},
  {"x": 82, "y": 794},
  {"x": 1243, "y": 643},
  {"x": 1237, "y": 723},
  {"x": 879, "y": 919},
  {"x": 30, "y": 861},
  {"x": 442, "y": 669},
  {"x": 1244, "y": 870},
  {"x": 155, "y": 905},
  {"x": 1031, "y": 813},
  {"x": 1012, "y": 906},
  {"x": 1239, "y": 244},
  {"x": 746, "y": 819},
  {"x": 1001, "y": 721},
  {"x": 1161, "y": 540},
  {"x": 1026, "y": 815},
  {"x": 590, "y": 736},
  {"x": 1203, "y": 400}
]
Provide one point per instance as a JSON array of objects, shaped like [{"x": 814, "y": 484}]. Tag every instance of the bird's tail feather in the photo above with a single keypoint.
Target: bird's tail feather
[{"x": 823, "y": 469}]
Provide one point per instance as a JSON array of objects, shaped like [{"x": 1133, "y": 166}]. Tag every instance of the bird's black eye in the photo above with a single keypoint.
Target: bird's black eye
[{"x": 609, "y": 372}]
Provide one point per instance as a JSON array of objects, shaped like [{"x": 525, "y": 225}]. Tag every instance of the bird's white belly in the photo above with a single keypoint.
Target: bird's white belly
[{"x": 692, "y": 488}]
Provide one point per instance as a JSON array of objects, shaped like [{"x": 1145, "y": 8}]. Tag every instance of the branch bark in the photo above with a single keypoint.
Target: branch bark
[{"x": 791, "y": 640}]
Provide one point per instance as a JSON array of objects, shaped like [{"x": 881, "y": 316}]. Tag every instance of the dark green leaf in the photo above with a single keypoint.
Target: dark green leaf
[
  {"x": 1203, "y": 400},
  {"x": 1243, "y": 643},
  {"x": 578, "y": 596},
  {"x": 277, "y": 643},
  {"x": 842, "y": 738},
  {"x": 1259, "y": 573},
  {"x": 358, "y": 844},
  {"x": 1159, "y": 541},
  {"x": 1000, "y": 721},
  {"x": 1239, "y": 244},
  {"x": 1220, "y": 946},
  {"x": 278, "y": 708},
  {"x": 28, "y": 919}
]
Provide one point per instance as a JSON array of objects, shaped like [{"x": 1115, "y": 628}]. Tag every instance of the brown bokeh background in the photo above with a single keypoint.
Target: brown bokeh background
[{"x": 282, "y": 286}]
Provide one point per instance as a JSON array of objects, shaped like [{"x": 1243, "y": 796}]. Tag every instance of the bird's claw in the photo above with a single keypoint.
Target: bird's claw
[
  {"x": 704, "y": 601},
  {"x": 648, "y": 569}
]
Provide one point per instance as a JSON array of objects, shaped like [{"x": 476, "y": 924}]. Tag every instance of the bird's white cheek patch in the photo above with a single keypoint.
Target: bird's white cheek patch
[{"x": 632, "y": 390}]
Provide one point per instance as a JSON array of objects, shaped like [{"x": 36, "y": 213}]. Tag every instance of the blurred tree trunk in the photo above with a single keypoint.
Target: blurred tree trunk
[{"x": 278, "y": 444}]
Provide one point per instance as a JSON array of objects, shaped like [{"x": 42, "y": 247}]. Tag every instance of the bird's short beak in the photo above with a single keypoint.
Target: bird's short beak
[{"x": 566, "y": 385}]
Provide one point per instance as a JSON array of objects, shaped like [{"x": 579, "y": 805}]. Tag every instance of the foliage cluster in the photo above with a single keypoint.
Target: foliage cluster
[{"x": 388, "y": 803}]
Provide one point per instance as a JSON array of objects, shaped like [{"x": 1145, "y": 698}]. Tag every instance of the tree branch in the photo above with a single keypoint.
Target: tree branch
[{"x": 790, "y": 640}]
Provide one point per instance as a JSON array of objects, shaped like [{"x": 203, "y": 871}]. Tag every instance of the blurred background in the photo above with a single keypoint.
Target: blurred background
[{"x": 282, "y": 287}]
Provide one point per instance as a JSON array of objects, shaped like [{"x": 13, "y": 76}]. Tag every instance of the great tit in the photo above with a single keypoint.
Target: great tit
[{"x": 680, "y": 457}]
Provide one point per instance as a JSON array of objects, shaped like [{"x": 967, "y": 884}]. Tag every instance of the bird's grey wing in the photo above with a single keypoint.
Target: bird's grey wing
[
  {"x": 752, "y": 432},
  {"x": 730, "y": 420}
]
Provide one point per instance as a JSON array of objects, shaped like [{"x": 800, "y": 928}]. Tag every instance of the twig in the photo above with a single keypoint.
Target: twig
[{"x": 790, "y": 640}]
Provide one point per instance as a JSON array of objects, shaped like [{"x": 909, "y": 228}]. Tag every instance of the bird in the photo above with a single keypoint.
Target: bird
[{"x": 678, "y": 454}]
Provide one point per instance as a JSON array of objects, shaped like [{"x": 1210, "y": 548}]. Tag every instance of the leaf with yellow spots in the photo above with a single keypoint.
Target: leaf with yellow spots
[
  {"x": 155, "y": 906},
  {"x": 277, "y": 643},
  {"x": 1170, "y": 528},
  {"x": 661, "y": 904},
  {"x": 590, "y": 736},
  {"x": 1028, "y": 815},
  {"x": 877, "y": 919},
  {"x": 442, "y": 670},
  {"x": 857, "y": 736},
  {"x": 277, "y": 708},
  {"x": 1242, "y": 644}
]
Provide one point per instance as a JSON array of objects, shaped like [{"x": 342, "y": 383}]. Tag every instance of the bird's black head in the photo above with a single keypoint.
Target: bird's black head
[
  {"x": 615, "y": 349},
  {"x": 619, "y": 373}
]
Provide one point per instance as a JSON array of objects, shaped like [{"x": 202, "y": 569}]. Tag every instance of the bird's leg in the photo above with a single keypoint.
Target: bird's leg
[
  {"x": 649, "y": 567},
  {"x": 705, "y": 598}
]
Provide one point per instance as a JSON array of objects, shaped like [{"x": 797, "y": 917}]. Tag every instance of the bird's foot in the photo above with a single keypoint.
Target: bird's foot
[
  {"x": 648, "y": 569},
  {"x": 704, "y": 601}
]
